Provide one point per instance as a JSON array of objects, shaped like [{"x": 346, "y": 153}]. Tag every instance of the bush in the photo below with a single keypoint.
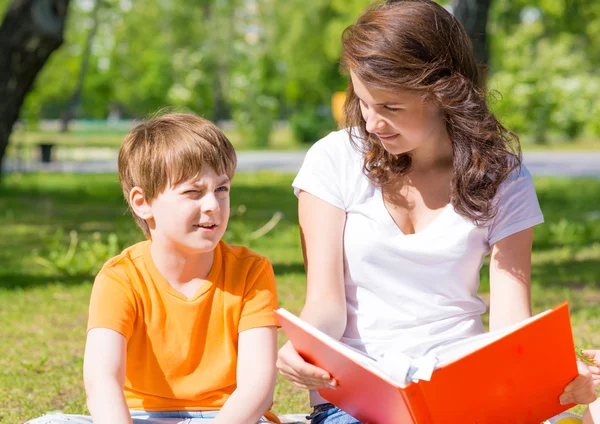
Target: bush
[
  {"x": 78, "y": 257},
  {"x": 311, "y": 123},
  {"x": 548, "y": 89}
]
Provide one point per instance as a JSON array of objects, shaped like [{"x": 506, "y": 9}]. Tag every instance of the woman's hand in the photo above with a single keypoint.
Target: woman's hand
[
  {"x": 301, "y": 373},
  {"x": 594, "y": 355},
  {"x": 581, "y": 389}
]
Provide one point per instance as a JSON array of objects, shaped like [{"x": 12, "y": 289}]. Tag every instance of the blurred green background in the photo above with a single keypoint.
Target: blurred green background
[
  {"x": 265, "y": 70},
  {"x": 260, "y": 65}
]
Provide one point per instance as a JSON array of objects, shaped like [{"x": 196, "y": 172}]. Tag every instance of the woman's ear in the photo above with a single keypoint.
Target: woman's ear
[{"x": 138, "y": 203}]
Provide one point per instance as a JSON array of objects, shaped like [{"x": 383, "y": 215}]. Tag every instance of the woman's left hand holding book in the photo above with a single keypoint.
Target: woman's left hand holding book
[{"x": 295, "y": 369}]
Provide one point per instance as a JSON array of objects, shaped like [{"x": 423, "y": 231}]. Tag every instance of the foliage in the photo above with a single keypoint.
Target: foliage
[
  {"x": 78, "y": 257},
  {"x": 311, "y": 123},
  {"x": 265, "y": 60},
  {"x": 306, "y": 43},
  {"x": 254, "y": 87},
  {"x": 548, "y": 83}
]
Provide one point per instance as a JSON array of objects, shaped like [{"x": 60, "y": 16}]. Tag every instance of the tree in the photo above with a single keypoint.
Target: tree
[
  {"x": 473, "y": 14},
  {"x": 70, "y": 111},
  {"x": 30, "y": 32},
  {"x": 545, "y": 61}
]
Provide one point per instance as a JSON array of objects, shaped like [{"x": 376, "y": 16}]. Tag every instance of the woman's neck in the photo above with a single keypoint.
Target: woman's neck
[{"x": 434, "y": 156}]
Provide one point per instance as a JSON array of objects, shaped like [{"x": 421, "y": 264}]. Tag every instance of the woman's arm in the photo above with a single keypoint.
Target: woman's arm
[
  {"x": 322, "y": 236},
  {"x": 510, "y": 275},
  {"x": 510, "y": 301},
  {"x": 257, "y": 352},
  {"x": 104, "y": 365}
]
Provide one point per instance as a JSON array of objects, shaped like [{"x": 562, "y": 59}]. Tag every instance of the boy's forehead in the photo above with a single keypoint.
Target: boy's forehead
[{"x": 206, "y": 176}]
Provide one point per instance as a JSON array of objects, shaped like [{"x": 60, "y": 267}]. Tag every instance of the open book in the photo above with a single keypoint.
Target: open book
[{"x": 512, "y": 376}]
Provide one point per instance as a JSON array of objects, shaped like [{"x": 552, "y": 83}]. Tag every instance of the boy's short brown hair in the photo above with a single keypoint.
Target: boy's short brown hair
[{"x": 171, "y": 149}]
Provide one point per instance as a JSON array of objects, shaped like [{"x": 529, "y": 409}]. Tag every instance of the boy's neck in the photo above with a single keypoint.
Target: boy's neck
[{"x": 181, "y": 267}]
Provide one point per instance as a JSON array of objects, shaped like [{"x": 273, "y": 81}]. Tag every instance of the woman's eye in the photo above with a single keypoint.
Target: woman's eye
[{"x": 392, "y": 109}]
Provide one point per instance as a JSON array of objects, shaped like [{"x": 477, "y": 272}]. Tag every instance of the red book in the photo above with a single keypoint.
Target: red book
[{"x": 511, "y": 376}]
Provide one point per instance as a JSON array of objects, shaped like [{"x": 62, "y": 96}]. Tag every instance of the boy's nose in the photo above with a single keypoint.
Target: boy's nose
[{"x": 210, "y": 203}]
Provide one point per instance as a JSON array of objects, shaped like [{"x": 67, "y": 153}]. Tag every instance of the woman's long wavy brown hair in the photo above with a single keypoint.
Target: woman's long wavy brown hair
[{"x": 417, "y": 45}]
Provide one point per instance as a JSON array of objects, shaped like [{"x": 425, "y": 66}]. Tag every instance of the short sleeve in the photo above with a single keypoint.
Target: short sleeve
[
  {"x": 112, "y": 304},
  {"x": 517, "y": 207},
  {"x": 322, "y": 173},
  {"x": 260, "y": 299}
]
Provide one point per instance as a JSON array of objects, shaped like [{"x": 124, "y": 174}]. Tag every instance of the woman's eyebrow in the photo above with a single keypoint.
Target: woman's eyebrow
[{"x": 390, "y": 103}]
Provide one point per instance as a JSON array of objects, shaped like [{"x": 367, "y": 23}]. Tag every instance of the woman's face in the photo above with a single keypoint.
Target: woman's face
[{"x": 402, "y": 121}]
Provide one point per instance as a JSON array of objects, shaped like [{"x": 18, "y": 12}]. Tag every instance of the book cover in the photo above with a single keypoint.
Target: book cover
[{"x": 510, "y": 376}]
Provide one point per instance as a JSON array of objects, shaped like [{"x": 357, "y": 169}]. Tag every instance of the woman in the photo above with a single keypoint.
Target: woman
[{"x": 398, "y": 211}]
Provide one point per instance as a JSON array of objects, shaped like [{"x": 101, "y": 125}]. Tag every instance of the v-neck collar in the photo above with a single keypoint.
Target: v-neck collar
[{"x": 391, "y": 225}]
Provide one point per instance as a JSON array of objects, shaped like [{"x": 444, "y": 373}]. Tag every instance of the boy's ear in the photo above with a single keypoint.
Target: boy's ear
[{"x": 138, "y": 203}]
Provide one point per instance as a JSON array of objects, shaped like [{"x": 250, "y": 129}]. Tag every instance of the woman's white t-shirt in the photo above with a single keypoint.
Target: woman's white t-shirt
[{"x": 408, "y": 292}]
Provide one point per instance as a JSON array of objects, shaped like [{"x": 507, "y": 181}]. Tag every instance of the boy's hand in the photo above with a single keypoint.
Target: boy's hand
[
  {"x": 581, "y": 389},
  {"x": 594, "y": 356}
]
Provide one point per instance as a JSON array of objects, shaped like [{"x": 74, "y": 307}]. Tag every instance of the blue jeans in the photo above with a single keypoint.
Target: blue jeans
[
  {"x": 329, "y": 414},
  {"x": 139, "y": 417}
]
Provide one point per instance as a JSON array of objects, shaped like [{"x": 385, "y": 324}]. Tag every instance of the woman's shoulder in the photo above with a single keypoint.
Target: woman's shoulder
[
  {"x": 339, "y": 146},
  {"x": 520, "y": 178}
]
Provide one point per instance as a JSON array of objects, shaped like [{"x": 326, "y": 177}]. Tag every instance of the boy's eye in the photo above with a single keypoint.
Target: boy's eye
[{"x": 223, "y": 188}]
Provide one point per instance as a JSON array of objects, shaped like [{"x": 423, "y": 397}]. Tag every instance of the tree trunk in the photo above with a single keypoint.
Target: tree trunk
[
  {"x": 474, "y": 16},
  {"x": 69, "y": 113},
  {"x": 30, "y": 32}
]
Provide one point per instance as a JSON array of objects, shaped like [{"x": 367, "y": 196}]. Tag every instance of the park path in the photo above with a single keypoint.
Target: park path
[{"x": 543, "y": 163}]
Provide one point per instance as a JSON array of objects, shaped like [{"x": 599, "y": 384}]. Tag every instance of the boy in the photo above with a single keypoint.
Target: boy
[{"x": 181, "y": 325}]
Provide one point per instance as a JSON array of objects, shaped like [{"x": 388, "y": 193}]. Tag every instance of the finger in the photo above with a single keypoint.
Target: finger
[
  {"x": 581, "y": 391},
  {"x": 594, "y": 355},
  {"x": 294, "y": 375},
  {"x": 594, "y": 370},
  {"x": 576, "y": 398},
  {"x": 291, "y": 358},
  {"x": 574, "y": 384},
  {"x": 304, "y": 371},
  {"x": 311, "y": 383},
  {"x": 302, "y": 385}
]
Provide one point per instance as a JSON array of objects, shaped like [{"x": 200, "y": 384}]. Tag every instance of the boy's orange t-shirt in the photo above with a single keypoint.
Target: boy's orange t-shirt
[{"x": 182, "y": 353}]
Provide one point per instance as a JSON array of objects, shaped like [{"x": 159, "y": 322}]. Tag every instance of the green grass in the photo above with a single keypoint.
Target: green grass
[{"x": 57, "y": 230}]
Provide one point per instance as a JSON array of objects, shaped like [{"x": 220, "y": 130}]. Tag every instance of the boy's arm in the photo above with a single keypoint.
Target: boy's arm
[
  {"x": 104, "y": 367},
  {"x": 257, "y": 352}
]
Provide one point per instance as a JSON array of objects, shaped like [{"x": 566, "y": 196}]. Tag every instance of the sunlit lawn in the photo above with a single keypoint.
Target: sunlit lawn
[{"x": 56, "y": 231}]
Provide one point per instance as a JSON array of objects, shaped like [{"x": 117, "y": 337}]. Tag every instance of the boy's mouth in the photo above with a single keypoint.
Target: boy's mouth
[{"x": 206, "y": 226}]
